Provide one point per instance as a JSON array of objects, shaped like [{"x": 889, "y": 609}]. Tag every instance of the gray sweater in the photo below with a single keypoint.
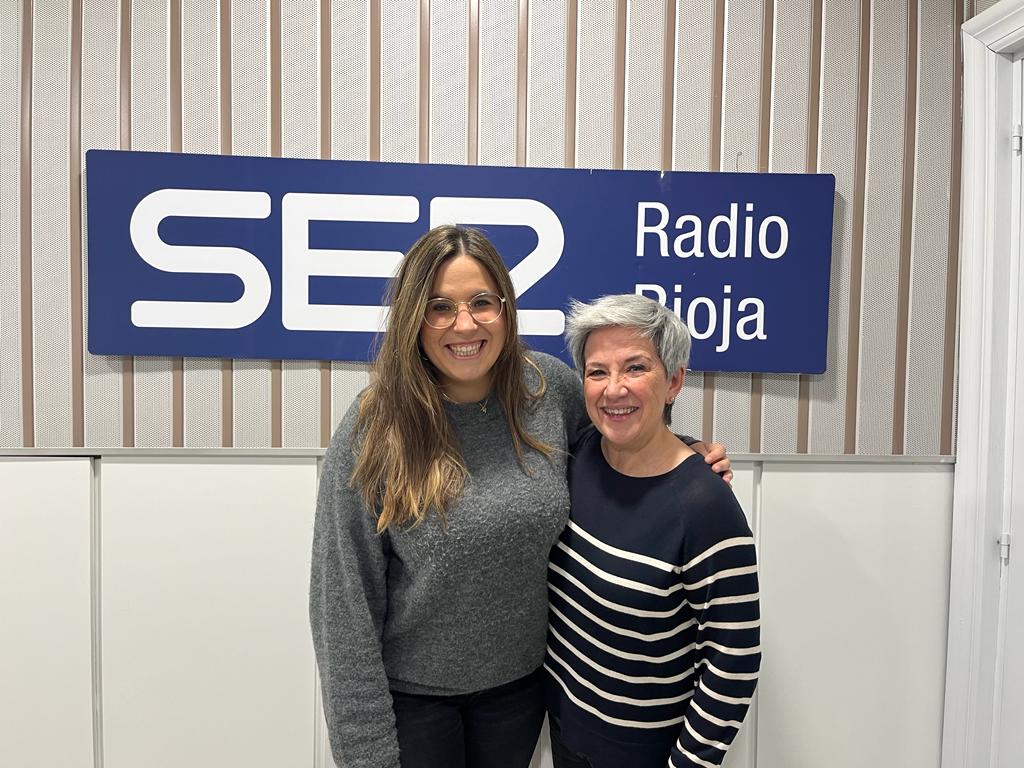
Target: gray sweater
[{"x": 435, "y": 610}]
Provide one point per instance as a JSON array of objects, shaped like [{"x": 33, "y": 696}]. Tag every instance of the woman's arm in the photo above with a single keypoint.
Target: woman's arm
[
  {"x": 347, "y": 605},
  {"x": 720, "y": 579}
]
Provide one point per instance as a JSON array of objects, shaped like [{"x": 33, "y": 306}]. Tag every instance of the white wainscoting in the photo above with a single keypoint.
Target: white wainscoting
[
  {"x": 854, "y": 600},
  {"x": 45, "y": 613},
  {"x": 204, "y": 656}
]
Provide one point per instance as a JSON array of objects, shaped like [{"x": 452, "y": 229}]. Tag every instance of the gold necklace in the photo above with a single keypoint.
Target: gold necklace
[{"x": 482, "y": 404}]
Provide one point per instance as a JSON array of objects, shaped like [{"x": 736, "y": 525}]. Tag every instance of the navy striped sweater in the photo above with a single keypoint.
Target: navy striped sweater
[{"x": 654, "y": 634}]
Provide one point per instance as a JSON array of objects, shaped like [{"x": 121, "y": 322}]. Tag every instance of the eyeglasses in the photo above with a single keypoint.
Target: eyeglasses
[{"x": 484, "y": 308}]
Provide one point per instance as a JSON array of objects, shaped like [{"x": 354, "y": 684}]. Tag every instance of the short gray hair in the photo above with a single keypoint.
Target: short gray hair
[{"x": 668, "y": 334}]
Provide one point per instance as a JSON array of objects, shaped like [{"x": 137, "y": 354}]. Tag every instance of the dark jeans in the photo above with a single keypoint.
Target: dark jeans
[
  {"x": 561, "y": 755},
  {"x": 495, "y": 728}
]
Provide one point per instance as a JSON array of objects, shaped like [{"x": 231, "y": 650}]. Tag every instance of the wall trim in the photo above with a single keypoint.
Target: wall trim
[{"x": 985, "y": 397}]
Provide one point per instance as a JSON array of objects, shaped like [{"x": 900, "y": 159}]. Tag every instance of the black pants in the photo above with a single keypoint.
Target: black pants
[
  {"x": 495, "y": 728},
  {"x": 561, "y": 755}
]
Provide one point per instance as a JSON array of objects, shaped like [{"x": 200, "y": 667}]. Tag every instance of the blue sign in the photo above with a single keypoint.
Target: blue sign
[{"x": 245, "y": 257}]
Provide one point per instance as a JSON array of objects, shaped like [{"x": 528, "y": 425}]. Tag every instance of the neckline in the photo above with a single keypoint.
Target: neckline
[{"x": 641, "y": 478}]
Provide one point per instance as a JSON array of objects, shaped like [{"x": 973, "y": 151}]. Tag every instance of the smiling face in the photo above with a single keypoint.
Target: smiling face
[
  {"x": 465, "y": 353},
  {"x": 626, "y": 387}
]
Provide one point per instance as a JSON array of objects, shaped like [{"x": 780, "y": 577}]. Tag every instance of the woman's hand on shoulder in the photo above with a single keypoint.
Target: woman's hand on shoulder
[{"x": 715, "y": 455}]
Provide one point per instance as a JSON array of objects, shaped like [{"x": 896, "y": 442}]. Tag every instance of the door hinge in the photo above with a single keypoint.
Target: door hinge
[
  {"x": 1018, "y": 138},
  {"x": 1004, "y": 547}
]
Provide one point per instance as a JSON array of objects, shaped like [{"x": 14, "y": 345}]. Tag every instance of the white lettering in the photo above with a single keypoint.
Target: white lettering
[
  {"x": 658, "y": 229},
  {"x": 207, "y": 260}
]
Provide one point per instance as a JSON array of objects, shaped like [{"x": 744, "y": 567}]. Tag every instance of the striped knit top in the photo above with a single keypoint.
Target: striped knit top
[{"x": 654, "y": 624}]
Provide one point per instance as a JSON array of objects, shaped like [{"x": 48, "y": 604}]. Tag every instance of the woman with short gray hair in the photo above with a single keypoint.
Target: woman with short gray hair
[{"x": 654, "y": 621}]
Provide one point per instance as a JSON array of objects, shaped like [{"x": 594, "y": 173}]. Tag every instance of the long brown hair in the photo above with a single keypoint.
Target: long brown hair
[{"x": 407, "y": 457}]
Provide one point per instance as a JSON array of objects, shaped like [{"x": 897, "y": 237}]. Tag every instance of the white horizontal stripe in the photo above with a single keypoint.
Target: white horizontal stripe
[
  {"x": 730, "y": 650},
  {"x": 712, "y": 719},
  {"x": 607, "y": 718},
  {"x": 692, "y": 759},
  {"x": 727, "y": 600},
  {"x": 614, "y": 606},
  {"x": 739, "y": 541},
  {"x": 611, "y": 578},
  {"x": 721, "y": 696},
  {"x": 615, "y": 697},
  {"x": 727, "y": 675},
  {"x": 701, "y": 739},
  {"x": 625, "y": 554},
  {"x": 618, "y": 675},
  {"x": 619, "y": 630},
  {"x": 728, "y": 572},
  {"x": 615, "y": 651},
  {"x": 730, "y": 624}
]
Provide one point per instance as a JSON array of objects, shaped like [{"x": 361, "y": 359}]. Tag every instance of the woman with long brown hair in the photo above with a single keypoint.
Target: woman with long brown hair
[{"x": 440, "y": 497}]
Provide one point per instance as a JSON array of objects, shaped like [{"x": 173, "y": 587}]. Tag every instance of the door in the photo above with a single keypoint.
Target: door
[{"x": 1009, "y": 725}]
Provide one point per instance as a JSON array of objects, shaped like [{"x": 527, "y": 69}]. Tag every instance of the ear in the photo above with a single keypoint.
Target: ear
[{"x": 675, "y": 384}]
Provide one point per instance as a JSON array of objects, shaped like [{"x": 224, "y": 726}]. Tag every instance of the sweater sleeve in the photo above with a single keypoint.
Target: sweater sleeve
[
  {"x": 347, "y": 606},
  {"x": 720, "y": 578}
]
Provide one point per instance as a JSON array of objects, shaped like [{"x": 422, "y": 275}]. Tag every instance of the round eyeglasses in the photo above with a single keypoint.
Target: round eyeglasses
[{"x": 484, "y": 308}]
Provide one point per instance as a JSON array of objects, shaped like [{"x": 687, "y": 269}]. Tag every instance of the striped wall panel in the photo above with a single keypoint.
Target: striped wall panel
[{"x": 865, "y": 90}]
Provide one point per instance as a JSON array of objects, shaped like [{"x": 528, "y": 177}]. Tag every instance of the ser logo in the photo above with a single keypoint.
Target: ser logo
[{"x": 299, "y": 262}]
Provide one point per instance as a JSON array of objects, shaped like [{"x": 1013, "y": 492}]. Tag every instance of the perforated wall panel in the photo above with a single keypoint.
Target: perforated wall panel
[
  {"x": 399, "y": 97},
  {"x": 300, "y": 78},
  {"x": 741, "y": 103},
  {"x": 499, "y": 28},
  {"x": 837, "y": 155},
  {"x": 350, "y": 77},
  {"x": 251, "y": 404},
  {"x": 347, "y": 381},
  {"x": 645, "y": 73},
  {"x": 11, "y": 434},
  {"x": 200, "y": 94},
  {"x": 150, "y": 126},
  {"x": 693, "y": 76},
  {"x": 931, "y": 234},
  {"x": 250, "y": 120},
  {"x": 545, "y": 112},
  {"x": 203, "y": 406},
  {"x": 595, "y": 81},
  {"x": 788, "y": 153},
  {"x": 448, "y": 81},
  {"x": 300, "y": 403},
  {"x": 884, "y": 186},
  {"x": 51, "y": 263},
  {"x": 102, "y": 385},
  {"x": 153, "y": 402}
]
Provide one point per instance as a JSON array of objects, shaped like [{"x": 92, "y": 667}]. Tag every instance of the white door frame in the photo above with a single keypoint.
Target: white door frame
[{"x": 987, "y": 348}]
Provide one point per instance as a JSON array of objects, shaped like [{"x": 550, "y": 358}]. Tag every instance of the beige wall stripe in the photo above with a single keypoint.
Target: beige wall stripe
[
  {"x": 571, "y": 17},
  {"x": 125, "y": 118},
  {"x": 715, "y": 164},
  {"x": 803, "y": 423},
  {"x": 424, "y": 110},
  {"x": 522, "y": 75},
  {"x": 906, "y": 234},
  {"x": 668, "y": 86},
  {"x": 952, "y": 271},
  {"x": 175, "y": 133},
  {"x": 325, "y": 154},
  {"x": 619, "y": 87},
  {"x": 473, "y": 86},
  {"x": 860, "y": 169},
  {"x": 375, "y": 80},
  {"x": 75, "y": 190},
  {"x": 25, "y": 226},
  {"x": 764, "y": 136},
  {"x": 276, "y": 405},
  {"x": 325, "y": 87},
  {"x": 227, "y": 423}
]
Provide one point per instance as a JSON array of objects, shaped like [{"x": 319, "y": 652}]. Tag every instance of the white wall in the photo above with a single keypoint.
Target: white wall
[{"x": 203, "y": 654}]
